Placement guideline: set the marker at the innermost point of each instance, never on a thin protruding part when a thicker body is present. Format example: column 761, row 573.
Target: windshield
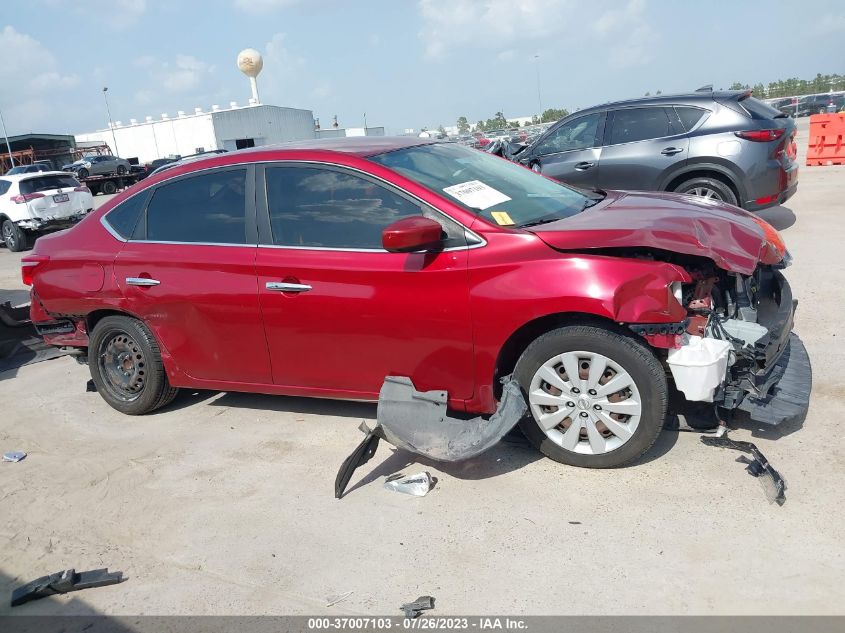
column 499, row 190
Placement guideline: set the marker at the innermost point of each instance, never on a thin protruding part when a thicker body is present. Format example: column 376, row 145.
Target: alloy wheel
column 705, row 192
column 585, row 402
column 9, row 235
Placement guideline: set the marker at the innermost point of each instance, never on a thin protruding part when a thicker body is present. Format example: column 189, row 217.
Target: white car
column 40, row 202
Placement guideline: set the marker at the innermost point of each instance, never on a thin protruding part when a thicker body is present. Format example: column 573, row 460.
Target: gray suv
column 720, row 145
column 98, row 166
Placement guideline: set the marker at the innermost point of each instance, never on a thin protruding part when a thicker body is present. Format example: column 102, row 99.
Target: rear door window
column 46, row 183
column 639, row 124
column 208, row 209
column 124, row 216
column 4, row 186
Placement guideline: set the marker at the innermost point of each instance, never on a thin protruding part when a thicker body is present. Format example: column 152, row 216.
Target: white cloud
column 263, row 6
column 279, row 56
column 449, row 24
column 183, row 74
column 32, row 80
column 506, row 56
column 630, row 35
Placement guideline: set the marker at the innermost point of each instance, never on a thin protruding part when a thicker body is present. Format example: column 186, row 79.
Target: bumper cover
column 789, row 395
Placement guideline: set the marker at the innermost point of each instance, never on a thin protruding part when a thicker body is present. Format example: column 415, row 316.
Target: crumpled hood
column 734, row 239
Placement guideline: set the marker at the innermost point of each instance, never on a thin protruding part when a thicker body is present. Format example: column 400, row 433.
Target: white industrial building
column 235, row 127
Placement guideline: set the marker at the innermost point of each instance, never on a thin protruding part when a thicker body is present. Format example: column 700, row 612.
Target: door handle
column 583, row 165
column 141, row 281
column 671, row 151
column 281, row 286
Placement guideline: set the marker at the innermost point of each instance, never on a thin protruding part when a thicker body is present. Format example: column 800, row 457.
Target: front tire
column 609, row 414
column 707, row 188
column 126, row 366
column 82, row 173
column 121, row 170
column 14, row 236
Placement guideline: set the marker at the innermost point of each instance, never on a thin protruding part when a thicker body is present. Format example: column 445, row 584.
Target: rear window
column 759, row 110
column 46, row 183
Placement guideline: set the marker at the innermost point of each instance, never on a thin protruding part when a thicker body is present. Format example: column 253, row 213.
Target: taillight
column 761, row 136
column 28, row 266
column 26, row 197
column 82, row 188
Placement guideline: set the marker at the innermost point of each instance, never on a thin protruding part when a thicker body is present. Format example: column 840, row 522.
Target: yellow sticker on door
column 502, row 218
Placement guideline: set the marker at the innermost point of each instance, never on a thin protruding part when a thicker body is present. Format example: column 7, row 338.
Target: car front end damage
column 765, row 370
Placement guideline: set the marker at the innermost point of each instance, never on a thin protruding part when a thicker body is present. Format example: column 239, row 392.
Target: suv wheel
column 596, row 398
column 14, row 236
column 126, row 367
column 707, row 188
column 82, row 173
column 535, row 167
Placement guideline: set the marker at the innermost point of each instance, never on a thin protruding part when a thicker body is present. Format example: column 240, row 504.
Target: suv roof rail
column 707, row 88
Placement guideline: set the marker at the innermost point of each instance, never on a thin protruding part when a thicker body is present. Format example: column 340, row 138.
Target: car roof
column 36, row 174
column 690, row 98
column 362, row 146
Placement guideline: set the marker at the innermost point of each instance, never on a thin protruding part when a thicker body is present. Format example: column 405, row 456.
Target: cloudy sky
column 406, row 63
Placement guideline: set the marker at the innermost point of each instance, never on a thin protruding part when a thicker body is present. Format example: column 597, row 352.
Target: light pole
column 539, row 101
column 111, row 126
column 6, row 136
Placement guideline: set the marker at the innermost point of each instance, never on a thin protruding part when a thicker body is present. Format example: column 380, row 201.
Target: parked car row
column 808, row 105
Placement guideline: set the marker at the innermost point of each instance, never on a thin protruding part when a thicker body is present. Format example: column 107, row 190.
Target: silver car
column 98, row 166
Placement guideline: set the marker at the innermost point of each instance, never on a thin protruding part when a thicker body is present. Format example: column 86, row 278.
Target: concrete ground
column 222, row 503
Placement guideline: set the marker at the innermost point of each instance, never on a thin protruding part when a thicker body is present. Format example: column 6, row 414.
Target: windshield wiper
column 544, row 220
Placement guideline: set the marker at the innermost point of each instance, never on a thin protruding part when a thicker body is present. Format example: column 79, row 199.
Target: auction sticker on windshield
column 475, row 193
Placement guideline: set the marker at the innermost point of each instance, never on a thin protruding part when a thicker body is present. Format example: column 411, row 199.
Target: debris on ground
column 417, row 485
column 417, row 421
column 90, row 387
column 413, row 609
column 773, row 484
column 13, row 456
column 64, row 582
column 333, row 600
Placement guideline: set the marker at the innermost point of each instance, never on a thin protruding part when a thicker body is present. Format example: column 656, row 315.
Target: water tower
column 250, row 64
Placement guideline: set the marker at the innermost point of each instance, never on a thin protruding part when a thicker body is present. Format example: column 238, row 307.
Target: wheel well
column 92, row 318
column 705, row 173
column 526, row 334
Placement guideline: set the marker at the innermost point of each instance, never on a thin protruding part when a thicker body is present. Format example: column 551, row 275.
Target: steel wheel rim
column 705, row 192
column 122, row 366
column 535, row 168
column 593, row 414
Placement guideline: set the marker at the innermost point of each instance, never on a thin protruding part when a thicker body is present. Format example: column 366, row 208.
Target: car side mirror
column 416, row 233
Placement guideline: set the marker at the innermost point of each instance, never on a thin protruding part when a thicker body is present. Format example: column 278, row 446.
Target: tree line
column 793, row 87
column 499, row 122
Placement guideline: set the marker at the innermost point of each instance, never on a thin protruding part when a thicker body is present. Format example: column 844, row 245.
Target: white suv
column 40, row 202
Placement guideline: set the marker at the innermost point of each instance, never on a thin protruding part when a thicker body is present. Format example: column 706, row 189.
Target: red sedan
column 318, row 268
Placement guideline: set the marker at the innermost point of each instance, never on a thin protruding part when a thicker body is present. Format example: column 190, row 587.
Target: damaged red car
column 319, row 268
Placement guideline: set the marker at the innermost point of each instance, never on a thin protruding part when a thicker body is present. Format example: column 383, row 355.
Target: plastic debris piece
column 64, row 582
column 333, row 600
column 417, row 485
column 13, row 456
column 413, row 609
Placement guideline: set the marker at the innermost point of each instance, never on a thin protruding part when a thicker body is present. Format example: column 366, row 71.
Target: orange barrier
column 827, row 139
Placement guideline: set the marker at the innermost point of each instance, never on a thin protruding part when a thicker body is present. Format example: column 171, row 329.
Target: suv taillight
column 82, row 188
column 761, row 136
column 28, row 266
column 26, row 197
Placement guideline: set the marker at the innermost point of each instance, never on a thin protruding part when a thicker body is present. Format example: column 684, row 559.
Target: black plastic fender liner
column 64, row 582
column 773, row 483
column 417, row 422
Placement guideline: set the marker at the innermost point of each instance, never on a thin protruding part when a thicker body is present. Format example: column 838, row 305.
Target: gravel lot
column 223, row 503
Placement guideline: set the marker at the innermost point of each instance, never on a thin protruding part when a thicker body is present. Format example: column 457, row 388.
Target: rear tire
column 708, row 188
column 121, row 170
column 109, row 187
column 126, row 366
column 590, row 427
column 15, row 237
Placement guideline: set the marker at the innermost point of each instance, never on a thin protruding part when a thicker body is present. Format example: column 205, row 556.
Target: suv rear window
column 45, row 183
column 759, row 110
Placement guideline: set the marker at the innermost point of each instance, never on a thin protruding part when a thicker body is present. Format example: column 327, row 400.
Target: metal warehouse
column 235, row 127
